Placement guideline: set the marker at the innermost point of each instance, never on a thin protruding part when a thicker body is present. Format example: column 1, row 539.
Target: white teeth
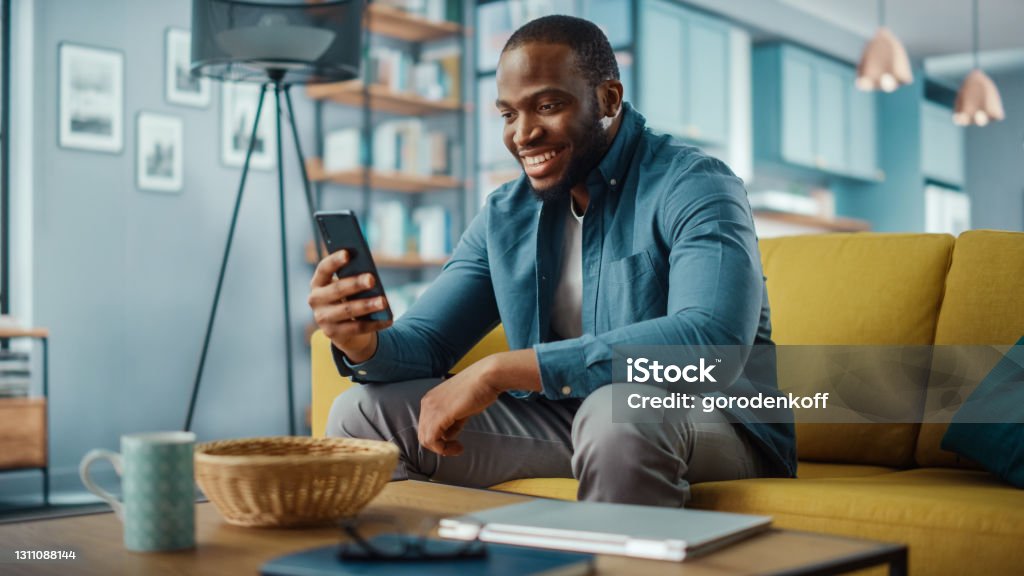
column 540, row 158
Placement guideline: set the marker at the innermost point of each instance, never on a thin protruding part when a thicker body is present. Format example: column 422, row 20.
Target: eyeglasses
column 398, row 541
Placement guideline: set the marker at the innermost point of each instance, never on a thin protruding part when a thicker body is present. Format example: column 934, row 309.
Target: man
column 613, row 236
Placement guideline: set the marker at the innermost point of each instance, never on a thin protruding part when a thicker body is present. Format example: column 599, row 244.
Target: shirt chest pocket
column 633, row 290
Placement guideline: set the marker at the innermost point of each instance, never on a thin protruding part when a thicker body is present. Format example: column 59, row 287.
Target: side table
column 26, row 409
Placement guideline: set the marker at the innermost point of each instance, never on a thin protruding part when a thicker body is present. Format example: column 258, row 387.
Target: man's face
column 553, row 123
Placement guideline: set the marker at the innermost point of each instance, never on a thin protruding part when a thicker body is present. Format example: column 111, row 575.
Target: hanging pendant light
column 978, row 101
column 884, row 64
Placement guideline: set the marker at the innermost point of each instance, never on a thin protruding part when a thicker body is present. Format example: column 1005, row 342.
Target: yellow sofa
column 884, row 481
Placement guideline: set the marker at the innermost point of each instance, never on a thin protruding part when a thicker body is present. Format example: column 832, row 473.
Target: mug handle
column 83, row 471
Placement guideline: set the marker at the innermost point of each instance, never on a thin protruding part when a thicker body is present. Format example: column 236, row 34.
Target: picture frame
column 239, row 101
column 91, row 98
column 159, row 166
column 180, row 86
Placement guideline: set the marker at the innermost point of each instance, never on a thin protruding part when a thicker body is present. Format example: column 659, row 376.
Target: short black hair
column 595, row 59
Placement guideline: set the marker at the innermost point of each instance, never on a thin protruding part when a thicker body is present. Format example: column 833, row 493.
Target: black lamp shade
column 297, row 42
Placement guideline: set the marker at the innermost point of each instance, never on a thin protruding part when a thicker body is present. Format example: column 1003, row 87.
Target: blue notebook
column 501, row 560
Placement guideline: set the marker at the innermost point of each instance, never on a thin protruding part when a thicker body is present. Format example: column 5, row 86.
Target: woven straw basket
column 291, row 481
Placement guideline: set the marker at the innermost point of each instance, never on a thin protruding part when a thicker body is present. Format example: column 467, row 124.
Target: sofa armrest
column 327, row 382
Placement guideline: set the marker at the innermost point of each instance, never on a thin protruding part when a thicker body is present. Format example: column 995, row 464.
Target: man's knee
column 377, row 411
column 350, row 415
column 601, row 426
column 600, row 439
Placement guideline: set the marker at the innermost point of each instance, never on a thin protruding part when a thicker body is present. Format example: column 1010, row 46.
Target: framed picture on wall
column 180, row 86
column 91, row 101
column 238, row 111
column 158, row 156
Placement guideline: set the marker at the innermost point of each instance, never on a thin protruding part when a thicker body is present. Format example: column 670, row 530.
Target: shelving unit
column 392, row 262
column 419, row 40
column 394, row 23
column 381, row 99
column 24, row 438
column 393, row 181
column 825, row 224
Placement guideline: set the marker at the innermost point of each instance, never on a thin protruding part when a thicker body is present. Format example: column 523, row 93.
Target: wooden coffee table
column 226, row 549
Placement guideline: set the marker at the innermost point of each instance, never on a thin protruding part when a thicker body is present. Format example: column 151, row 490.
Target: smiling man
column 614, row 235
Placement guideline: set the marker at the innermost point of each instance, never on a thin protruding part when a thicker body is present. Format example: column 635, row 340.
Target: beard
column 589, row 148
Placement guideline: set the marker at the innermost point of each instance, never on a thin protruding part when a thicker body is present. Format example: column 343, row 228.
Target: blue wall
column 995, row 163
column 124, row 279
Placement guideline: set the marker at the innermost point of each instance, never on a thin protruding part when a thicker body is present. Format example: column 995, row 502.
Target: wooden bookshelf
column 394, row 23
column 408, row 262
column 22, row 433
column 394, row 181
column 828, row 224
column 392, row 262
column 382, row 98
column 24, row 333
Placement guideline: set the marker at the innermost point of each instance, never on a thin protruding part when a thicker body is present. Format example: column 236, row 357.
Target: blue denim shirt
column 669, row 258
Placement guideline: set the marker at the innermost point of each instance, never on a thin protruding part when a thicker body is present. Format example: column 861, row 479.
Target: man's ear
column 609, row 97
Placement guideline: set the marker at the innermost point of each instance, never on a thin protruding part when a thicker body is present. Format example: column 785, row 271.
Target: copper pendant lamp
column 978, row 101
column 884, row 65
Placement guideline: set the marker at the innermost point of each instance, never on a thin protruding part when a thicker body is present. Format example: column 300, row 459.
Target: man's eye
column 550, row 106
column 506, row 116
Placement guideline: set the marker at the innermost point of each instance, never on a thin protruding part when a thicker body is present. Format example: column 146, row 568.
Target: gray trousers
column 644, row 463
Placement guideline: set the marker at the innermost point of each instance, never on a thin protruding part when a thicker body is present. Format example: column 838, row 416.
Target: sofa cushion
column 852, row 289
column 946, row 516
column 558, row 488
column 983, row 305
column 565, row 488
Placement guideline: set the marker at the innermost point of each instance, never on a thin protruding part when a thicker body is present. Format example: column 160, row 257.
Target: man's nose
column 525, row 133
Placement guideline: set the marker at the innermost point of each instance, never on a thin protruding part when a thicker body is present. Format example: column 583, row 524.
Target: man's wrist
column 491, row 373
column 515, row 370
column 363, row 353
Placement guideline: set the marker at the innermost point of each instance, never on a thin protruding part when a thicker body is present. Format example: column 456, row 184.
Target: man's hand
column 335, row 311
column 447, row 407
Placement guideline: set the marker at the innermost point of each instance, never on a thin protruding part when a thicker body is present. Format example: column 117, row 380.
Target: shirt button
column 566, row 390
column 612, row 182
column 362, row 372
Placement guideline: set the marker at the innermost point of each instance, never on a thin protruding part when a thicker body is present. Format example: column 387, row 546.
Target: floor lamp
column 276, row 45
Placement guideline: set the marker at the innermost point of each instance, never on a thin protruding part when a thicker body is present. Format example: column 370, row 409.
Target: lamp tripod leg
column 224, row 260
column 284, row 268
column 305, row 175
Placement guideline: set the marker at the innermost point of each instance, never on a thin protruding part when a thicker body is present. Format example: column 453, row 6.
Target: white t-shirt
column 567, row 313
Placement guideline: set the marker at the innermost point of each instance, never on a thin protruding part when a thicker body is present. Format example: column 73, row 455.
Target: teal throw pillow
column 989, row 427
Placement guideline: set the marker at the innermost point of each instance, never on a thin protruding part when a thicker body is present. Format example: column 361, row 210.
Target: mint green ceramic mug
column 157, row 480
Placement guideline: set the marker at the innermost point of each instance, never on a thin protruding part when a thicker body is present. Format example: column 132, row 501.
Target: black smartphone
column 340, row 231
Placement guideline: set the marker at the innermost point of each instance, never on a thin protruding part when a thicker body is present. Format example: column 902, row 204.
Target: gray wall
column 124, row 279
column 995, row 163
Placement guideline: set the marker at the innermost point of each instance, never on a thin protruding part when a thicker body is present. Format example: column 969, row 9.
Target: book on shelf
column 343, row 150
column 394, row 232
column 15, row 374
column 386, row 231
column 390, row 67
column 434, row 77
column 444, row 79
column 433, row 228
column 407, row 146
column 433, row 10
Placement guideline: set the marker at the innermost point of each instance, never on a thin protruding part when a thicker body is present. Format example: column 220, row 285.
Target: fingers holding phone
column 337, row 309
column 346, row 296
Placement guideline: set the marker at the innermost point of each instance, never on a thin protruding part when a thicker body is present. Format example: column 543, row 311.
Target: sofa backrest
column 857, row 289
column 983, row 305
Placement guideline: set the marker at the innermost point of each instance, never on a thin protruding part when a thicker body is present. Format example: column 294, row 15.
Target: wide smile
column 542, row 164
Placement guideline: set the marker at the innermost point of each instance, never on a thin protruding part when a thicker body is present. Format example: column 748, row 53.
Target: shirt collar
column 615, row 163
